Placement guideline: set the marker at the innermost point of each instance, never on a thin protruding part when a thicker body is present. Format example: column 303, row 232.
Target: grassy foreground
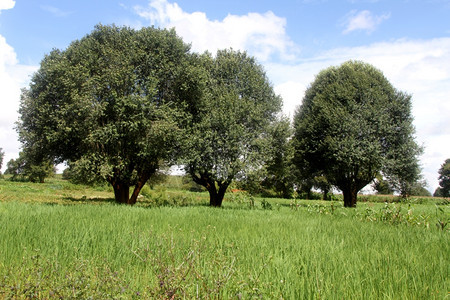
column 53, row 246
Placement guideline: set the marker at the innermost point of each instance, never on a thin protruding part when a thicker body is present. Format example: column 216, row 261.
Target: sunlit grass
column 51, row 246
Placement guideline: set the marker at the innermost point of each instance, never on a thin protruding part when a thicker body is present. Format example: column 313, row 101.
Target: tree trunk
column 121, row 192
column 137, row 188
column 214, row 199
column 350, row 194
column 216, row 196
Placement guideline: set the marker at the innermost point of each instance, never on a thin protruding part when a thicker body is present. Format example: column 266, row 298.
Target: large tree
column 110, row 103
column 237, row 105
column 352, row 125
column 444, row 179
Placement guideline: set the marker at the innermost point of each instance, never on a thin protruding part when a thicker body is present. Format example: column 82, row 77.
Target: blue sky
column 408, row 40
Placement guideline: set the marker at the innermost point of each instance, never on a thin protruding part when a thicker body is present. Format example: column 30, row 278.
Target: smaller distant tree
column 306, row 183
column 419, row 189
column 275, row 172
column 444, row 179
column 382, row 186
column 25, row 169
column 2, row 155
column 437, row 192
column 321, row 183
column 279, row 169
column 15, row 167
column 304, row 187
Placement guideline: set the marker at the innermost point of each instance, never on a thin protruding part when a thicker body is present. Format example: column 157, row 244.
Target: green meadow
column 60, row 240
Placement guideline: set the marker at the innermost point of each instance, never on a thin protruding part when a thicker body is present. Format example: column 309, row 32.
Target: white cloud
column 362, row 21
column 7, row 4
column 264, row 35
column 415, row 66
column 13, row 76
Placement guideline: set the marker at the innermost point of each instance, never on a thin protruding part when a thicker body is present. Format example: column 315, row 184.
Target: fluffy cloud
column 13, row 76
column 264, row 35
column 7, row 4
column 362, row 21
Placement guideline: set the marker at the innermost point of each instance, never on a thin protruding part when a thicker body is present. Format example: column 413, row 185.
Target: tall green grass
column 112, row 251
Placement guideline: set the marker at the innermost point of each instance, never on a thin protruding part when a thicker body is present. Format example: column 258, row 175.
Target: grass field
column 59, row 240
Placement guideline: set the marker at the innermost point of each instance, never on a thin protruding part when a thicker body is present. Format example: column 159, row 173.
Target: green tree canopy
column 382, row 186
column 237, row 105
column 25, row 169
column 352, row 125
column 444, row 179
column 273, row 175
column 110, row 102
column 2, row 155
column 278, row 159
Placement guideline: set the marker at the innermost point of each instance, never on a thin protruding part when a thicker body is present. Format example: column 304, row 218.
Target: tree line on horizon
column 119, row 104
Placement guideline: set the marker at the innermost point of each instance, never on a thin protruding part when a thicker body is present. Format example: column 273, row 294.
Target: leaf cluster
column 24, row 168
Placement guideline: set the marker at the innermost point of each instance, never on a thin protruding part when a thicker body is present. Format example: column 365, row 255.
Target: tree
column 274, row 172
column 437, row 192
column 112, row 102
column 278, row 159
column 237, row 105
column 2, row 155
column 444, row 179
column 419, row 189
column 352, row 125
column 321, row 183
column 381, row 186
column 24, row 168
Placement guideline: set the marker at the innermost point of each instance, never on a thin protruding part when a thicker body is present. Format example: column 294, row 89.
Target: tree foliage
column 111, row 103
column 237, row 105
column 444, row 179
column 24, row 168
column 419, row 189
column 274, row 174
column 382, row 186
column 352, row 125
column 2, row 155
column 278, row 159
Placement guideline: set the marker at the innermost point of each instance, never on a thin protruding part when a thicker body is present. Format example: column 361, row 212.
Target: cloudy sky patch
column 362, row 21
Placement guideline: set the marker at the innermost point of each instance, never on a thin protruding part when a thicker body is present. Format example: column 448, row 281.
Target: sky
column 408, row 40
